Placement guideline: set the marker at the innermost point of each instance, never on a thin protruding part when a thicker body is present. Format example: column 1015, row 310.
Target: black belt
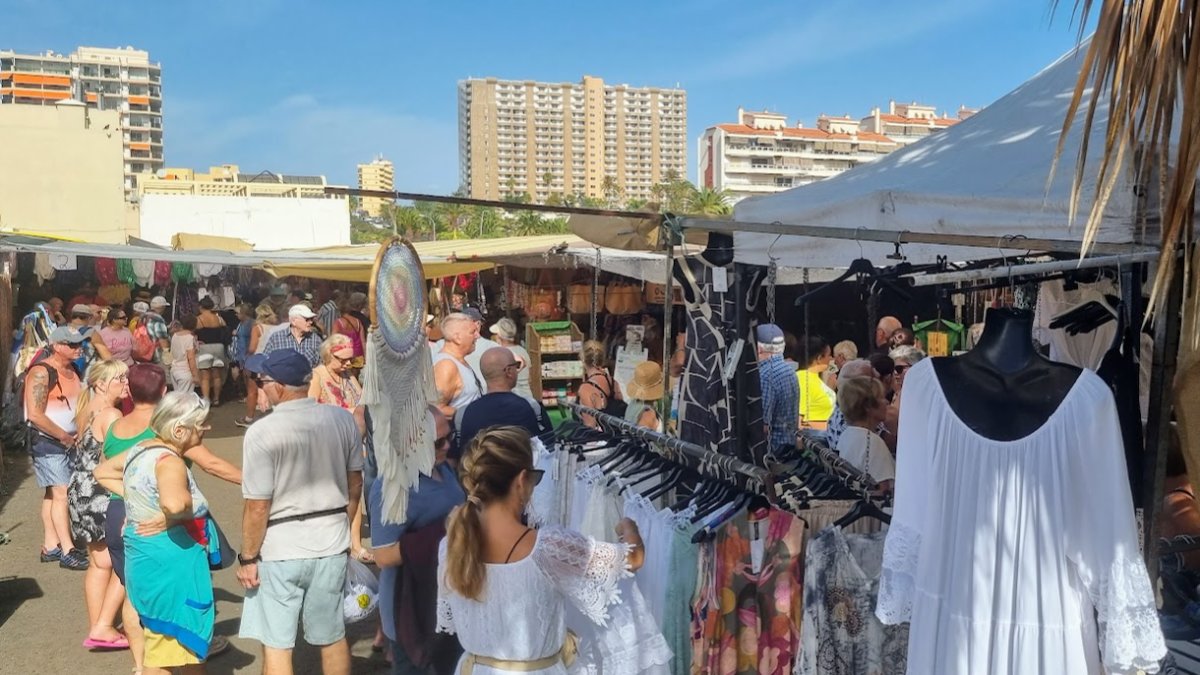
column 306, row 516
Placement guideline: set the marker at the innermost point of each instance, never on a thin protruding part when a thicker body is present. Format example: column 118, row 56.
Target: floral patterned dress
column 87, row 501
column 841, row 634
column 747, row 617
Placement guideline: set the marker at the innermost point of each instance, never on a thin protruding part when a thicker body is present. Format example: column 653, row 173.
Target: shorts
column 51, row 469
column 114, row 536
column 164, row 651
column 181, row 379
column 292, row 591
column 211, row 356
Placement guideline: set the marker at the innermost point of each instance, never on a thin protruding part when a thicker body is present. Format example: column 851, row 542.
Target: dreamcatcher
column 398, row 377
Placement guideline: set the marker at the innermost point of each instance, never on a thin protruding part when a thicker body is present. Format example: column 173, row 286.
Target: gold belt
column 566, row 656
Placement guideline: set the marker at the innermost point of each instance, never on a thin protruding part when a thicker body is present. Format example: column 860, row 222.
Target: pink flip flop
column 121, row 642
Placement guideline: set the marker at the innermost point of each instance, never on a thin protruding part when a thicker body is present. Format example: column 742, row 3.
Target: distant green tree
column 709, row 202
column 362, row 232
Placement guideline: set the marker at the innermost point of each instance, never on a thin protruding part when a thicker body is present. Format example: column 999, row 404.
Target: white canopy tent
column 984, row 176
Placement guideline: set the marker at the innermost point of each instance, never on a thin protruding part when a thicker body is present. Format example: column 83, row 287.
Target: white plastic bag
column 361, row 593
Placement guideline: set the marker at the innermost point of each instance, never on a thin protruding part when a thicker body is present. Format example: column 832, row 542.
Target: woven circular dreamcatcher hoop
column 397, row 296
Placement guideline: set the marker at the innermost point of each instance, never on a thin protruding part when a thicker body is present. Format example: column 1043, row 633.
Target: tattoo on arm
column 40, row 389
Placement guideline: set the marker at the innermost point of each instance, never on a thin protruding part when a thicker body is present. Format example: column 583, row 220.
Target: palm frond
column 1144, row 61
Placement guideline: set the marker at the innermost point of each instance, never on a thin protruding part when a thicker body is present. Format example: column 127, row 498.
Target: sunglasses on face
column 72, row 345
column 344, row 360
column 444, row 441
column 515, row 364
column 900, row 369
column 535, row 475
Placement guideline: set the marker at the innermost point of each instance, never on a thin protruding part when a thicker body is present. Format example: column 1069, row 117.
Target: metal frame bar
column 1029, row 268
column 834, row 461
column 1016, row 243
column 418, row 197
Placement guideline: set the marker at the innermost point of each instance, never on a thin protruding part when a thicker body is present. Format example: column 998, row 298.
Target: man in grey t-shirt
column 302, row 481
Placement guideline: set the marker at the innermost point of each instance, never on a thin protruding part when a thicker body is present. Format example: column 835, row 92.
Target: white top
column 472, row 386
column 298, row 457
column 999, row 551
column 867, row 451
column 521, row 614
column 522, row 388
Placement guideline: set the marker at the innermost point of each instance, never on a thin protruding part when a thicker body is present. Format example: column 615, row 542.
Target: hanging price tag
column 757, row 547
column 720, row 280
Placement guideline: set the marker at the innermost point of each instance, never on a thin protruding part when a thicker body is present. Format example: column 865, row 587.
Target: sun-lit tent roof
column 986, row 175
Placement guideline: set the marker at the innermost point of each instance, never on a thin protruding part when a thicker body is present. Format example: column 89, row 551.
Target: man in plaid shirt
column 780, row 389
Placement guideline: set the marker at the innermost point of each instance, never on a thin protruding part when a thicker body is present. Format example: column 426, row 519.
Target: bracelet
column 249, row 561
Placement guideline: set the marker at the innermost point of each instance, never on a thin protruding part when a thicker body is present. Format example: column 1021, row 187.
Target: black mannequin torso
column 1003, row 389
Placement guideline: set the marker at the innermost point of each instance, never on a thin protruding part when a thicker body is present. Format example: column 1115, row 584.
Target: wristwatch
column 248, row 561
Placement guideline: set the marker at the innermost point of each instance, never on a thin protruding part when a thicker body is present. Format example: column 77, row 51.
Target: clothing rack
column 708, row 457
column 835, row 463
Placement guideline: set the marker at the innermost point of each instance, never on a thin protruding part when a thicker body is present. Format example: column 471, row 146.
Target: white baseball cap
column 300, row 310
column 159, row 301
column 141, row 307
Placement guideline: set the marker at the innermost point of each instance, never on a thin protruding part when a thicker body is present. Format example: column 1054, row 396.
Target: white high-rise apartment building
column 566, row 138
column 123, row 79
column 761, row 154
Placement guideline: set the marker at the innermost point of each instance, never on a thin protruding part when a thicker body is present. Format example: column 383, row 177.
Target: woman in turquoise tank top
column 147, row 386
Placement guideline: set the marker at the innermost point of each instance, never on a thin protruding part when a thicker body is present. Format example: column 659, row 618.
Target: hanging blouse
column 182, row 273
column 106, row 271
column 42, row 267
column 205, row 270
column 125, row 273
column 143, row 272
column 1001, row 552
column 162, row 273
column 841, row 634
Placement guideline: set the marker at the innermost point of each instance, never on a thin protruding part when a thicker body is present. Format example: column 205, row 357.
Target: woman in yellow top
column 816, row 398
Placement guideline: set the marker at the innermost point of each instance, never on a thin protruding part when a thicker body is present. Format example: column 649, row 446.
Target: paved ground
column 42, row 617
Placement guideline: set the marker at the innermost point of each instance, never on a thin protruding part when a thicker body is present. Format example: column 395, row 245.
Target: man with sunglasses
column 51, row 390
column 300, row 336
column 414, row 543
column 500, row 406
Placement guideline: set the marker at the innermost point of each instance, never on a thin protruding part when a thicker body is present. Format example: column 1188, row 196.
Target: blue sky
column 318, row 86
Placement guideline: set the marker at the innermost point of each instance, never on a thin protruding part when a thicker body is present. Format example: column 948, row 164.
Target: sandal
column 218, row 645
column 118, row 643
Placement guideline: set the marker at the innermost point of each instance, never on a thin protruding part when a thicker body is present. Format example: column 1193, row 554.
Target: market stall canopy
column 985, row 176
column 186, row 241
column 442, row 258
column 626, row 234
column 652, row 267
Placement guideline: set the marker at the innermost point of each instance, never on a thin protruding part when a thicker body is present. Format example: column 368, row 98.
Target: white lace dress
column 999, row 552
column 521, row 614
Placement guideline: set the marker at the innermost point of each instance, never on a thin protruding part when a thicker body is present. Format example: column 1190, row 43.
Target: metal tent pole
column 1030, row 268
column 907, row 237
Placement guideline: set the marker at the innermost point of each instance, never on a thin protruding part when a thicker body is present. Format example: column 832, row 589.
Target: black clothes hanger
column 1088, row 316
column 864, row 269
column 863, row 508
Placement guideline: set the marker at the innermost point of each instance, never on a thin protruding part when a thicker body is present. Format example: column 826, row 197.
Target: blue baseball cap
column 769, row 334
column 286, row 366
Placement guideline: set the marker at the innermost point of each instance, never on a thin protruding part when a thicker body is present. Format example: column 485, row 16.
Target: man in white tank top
column 456, row 382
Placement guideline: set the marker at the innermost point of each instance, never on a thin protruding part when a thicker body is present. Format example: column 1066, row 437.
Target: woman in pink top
column 117, row 336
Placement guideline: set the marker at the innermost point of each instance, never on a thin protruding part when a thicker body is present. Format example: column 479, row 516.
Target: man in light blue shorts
column 302, row 481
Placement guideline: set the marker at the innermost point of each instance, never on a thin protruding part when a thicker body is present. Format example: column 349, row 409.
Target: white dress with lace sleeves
column 1016, row 556
column 519, row 617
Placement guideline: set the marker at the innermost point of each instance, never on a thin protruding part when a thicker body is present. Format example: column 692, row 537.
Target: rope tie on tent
column 595, row 292
column 772, row 278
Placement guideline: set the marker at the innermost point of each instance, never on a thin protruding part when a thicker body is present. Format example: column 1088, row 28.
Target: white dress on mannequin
column 999, row 551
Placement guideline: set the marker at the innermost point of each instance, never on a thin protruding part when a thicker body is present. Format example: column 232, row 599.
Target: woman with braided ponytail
column 503, row 587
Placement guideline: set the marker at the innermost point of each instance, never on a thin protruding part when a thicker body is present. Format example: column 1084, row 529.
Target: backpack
column 143, row 344
column 16, row 429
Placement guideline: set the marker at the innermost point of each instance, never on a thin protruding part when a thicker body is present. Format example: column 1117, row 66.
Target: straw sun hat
column 647, row 382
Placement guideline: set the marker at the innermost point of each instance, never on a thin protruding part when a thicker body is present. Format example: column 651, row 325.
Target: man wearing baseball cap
column 780, row 389
column 151, row 317
column 81, row 319
column 300, row 335
column 301, row 481
column 52, row 387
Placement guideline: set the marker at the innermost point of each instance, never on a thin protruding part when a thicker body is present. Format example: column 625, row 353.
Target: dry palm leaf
column 1145, row 59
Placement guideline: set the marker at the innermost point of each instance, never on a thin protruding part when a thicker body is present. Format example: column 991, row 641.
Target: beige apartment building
column 123, row 80
column 565, row 139
column 377, row 175
column 228, row 180
column 62, row 172
column 761, row 154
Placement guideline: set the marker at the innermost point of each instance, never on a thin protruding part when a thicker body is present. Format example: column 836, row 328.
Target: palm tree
column 1149, row 52
column 612, row 191
column 709, row 202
